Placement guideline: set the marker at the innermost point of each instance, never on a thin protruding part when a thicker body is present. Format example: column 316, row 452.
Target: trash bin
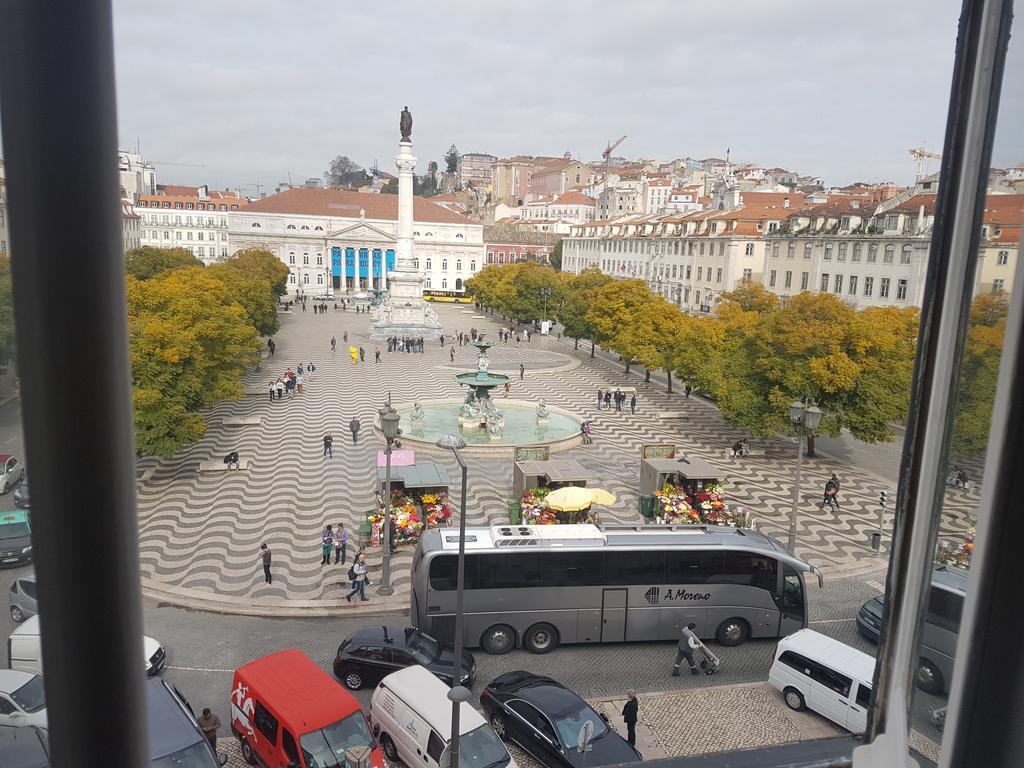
column 515, row 512
column 365, row 530
column 876, row 541
column 647, row 506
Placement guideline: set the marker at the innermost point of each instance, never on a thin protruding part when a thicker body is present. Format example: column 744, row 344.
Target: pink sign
column 401, row 458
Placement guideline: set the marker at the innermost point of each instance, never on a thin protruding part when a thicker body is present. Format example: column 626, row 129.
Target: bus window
column 573, row 569
column 750, row 569
column 944, row 609
column 792, row 593
column 444, row 572
column 634, row 568
column 508, row 570
column 692, row 567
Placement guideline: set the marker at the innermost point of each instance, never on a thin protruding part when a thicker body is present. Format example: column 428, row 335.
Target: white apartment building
column 137, row 176
column 571, row 207
column 656, row 195
column 332, row 238
column 188, row 217
column 475, row 168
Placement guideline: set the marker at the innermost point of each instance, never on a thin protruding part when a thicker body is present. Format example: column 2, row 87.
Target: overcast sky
column 258, row 90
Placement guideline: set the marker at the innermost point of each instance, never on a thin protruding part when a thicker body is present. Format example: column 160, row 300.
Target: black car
column 375, row 652
column 175, row 738
column 869, row 618
column 21, row 498
column 24, row 747
column 552, row 723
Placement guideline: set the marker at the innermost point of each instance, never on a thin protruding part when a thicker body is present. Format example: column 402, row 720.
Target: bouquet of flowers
column 436, row 509
column 535, row 510
column 673, row 505
column 956, row 553
column 405, row 517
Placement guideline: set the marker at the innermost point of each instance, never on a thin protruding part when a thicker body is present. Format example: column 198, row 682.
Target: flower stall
column 419, row 498
column 535, row 511
column 956, row 553
column 437, row 509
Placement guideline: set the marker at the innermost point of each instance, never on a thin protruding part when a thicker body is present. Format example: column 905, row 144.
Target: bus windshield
column 326, row 748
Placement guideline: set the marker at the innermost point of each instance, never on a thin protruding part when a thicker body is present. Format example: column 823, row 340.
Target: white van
column 816, row 672
column 412, row 717
column 25, row 651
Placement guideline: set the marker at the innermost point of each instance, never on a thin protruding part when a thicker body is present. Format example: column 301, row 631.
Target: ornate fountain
column 479, row 411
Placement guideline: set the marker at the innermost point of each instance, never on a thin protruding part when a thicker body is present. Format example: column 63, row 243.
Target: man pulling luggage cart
column 689, row 644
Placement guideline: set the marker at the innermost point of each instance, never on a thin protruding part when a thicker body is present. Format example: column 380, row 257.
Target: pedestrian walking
column 608, row 399
column 209, row 723
column 737, row 449
column 265, row 557
column 442, row 339
column 334, row 344
column 831, row 497
column 522, row 370
column 340, row 543
column 632, row 404
column 629, row 716
column 280, row 388
column 688, row 643
column 451, row 354
column 600, row 399
column 619, row 397
column 326, row 543
column 344, row 336
column 508, row 388
column 299, row 381
column 585, row 431
column 273, row 388
column 271, row 346
column 376, row 354
column 354, row 426
column 357, row 575
column 687, row 390
column 329, row 445
column 362, row 355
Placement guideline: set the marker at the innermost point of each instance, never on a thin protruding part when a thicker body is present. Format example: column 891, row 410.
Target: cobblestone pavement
column 200, row 532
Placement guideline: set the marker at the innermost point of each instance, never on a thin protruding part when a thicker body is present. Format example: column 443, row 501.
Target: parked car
column 815, row 672
column 284, row 704
column 21, row 499
column 552, row 723
column 15, row 538
column 175, row 738
column 412, row 717
column 23, row 598
column 324, row 297
column 24, row 747
column 22, row 699
column 24, row 650
column 373, row 652
column 11, row 472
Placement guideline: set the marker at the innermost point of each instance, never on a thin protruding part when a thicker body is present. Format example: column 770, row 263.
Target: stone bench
column 671, row 415
column 241, row 421
column 220, row 466
column 751, row 453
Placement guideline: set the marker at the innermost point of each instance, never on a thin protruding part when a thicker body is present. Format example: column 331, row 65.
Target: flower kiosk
column 678, row 488
column 419, row 498
column 534, row 475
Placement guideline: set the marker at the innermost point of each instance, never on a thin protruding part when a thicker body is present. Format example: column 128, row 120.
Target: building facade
column 510, row 180
column 554, row 177
column 188, row 217
column 507, row 244
column 475, row 168
column 331, row 238
column 137, row 176
column 131, row 235
column 571, row 207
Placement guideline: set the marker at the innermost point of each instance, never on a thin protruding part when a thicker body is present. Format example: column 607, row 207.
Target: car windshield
column 875, row 607
column 196, row 756
column 570, row 726
column 15, row 531
column 327, row 747
column 423, row 647
column 31, row 697
column 481, row 748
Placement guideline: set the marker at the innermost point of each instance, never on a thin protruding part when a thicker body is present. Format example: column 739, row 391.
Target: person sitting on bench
column 232, row 458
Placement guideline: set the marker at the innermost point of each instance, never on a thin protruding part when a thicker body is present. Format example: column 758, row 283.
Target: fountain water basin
column 520, row 425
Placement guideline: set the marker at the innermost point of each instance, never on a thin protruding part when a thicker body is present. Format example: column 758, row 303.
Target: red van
column 289, row 713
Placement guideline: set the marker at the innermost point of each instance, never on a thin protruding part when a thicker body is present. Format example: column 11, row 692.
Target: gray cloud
column 257, row 90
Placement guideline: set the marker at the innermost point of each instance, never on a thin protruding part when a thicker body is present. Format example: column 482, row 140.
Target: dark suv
column 175, row 738
column 372, row 653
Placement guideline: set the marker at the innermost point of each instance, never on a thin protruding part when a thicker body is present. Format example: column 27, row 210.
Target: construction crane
column 256, row 186
column 185, row 165
column 607, row 155
column 922, row 154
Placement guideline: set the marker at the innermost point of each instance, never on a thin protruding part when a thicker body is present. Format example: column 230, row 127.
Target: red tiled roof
column 1006, row 213
column 345, row 204
column 913, row 205
column 575, row 198
column 144, row 200
column 186, row 191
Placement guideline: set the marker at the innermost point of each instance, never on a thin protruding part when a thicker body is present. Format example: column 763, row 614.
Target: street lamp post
column 389, row 426
column 545, row 292
column 459, row 693
column 805, row 420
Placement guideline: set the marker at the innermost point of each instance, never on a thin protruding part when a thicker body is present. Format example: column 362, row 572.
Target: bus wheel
column 541, row 638
column 732, row 632
column 929, row 679
column 499, row 639
column 247, row 753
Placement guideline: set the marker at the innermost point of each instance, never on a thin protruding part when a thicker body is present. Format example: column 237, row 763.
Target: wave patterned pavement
column 200, row 532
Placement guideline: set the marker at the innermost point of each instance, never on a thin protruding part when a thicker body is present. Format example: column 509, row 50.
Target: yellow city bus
column 457, row 297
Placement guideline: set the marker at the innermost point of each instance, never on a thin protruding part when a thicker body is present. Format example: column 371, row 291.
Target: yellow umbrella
column 572, row 498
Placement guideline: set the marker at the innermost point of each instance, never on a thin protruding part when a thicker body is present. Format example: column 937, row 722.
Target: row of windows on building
column 188, row 206
column 429, row 262
column 499, row 257
column 165, row 218
column 855, row 254
column 154, row 234
column 294, row 279
column 836, row 284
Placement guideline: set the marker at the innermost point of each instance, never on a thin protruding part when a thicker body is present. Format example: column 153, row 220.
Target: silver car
column 23, row 597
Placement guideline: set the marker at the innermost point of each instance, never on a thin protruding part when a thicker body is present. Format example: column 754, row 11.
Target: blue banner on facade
column 390, row 256
column 350, row 262
column 364, row 263
column 336, row 262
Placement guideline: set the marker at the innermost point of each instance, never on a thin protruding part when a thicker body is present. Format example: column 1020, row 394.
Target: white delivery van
column 25, row 651
column 412, row 716
column 818, row 673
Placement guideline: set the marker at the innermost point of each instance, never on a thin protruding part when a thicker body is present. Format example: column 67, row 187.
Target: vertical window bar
column 977, row 72
column 59, row 121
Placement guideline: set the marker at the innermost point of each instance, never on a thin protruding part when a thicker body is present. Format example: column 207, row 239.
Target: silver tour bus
column 538, row 586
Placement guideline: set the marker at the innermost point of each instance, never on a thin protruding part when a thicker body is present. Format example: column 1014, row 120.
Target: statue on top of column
column 405, row 125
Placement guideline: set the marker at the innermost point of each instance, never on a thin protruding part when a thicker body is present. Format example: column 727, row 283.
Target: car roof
column 11, row 680
column 545, row 693
column 25, row 746
column 396, row 635
column 297, row 690
column 428, row 696
column 837, row 655
column 170, row 727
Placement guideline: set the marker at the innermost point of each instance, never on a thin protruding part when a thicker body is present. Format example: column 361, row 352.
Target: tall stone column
column 406, row 163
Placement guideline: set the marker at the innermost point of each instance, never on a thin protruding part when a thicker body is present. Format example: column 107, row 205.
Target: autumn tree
column 979, row 373
column 260, row 263
column 579, row 296
column 751, row 297
column 451, row 159
column 149, row 261
column 615, row 307
column 555, row 257
column 694, row 352
column 254, row 294
column 483, row 285
column 647, row 337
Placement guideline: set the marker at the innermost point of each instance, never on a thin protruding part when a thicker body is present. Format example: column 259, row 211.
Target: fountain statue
column 479, row 410
column 542, row 411
column 417, row 412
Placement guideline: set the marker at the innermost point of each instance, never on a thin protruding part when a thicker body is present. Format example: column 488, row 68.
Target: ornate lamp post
column 459, row 693
column 389, row 426
column 805, row 420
